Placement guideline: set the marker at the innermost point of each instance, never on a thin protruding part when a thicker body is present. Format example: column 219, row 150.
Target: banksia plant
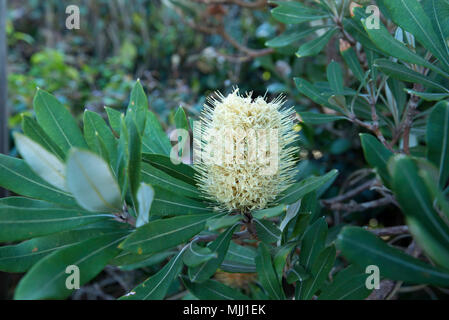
column 246, row 157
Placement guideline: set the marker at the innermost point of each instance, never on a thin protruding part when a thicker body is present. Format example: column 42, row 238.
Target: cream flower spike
column 246, row 158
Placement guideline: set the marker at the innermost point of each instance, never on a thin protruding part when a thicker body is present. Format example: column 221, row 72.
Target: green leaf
column 353, row 63
column 269, row 212
column 297, row 274
column 401, row 72
column 166, row 203
column 134, row 159
column 114, row 117
column 281, row 256
column 16, row 176
column 145, row 196
column 363, row 249
column 428, row 96
column 310, row 91
column 313, row 243
column 196, row 255
column 213, row 290
column 292, row 35
column 179, row 171
column 377, row 156
column 223, row 222
column 44, row 163
column 267, row 275
column 155, row 140
column 295, row 12
column 159, row 178
column 22, row 256
column 90, row 180
column 438, row 11
column 410, row 15
column 137, row 107
column 320, row 271
column 428, row 228
column 47, row 279
column 437, row 137
column 300, row 189
column 156, row 287
column 335, row 77
column 24, row 222
column 220, row 245
column 315, row 46
column 239, row 259
column 391, row 47
column 318, row 118
column 97, row 132
column 163, row 234
column 348, row 284
column 267, row 231
column 34, row 131
column 183, row 126
column 57, row 121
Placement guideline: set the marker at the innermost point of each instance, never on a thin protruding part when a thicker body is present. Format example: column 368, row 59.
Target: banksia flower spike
column 243, row 154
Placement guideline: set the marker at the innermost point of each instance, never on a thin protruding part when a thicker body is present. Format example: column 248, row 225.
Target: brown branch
column 389, row 231
column 353, row 206
column 410, row 115
column 350, row 194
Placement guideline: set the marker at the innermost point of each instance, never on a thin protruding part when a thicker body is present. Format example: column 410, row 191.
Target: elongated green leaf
column 291, row 35
column 295, row 12
column 137, row 107
column 34, row 131
column 310, row 91
column 348, row 284
column 96, row 131
column 297, row 274
column 363, row 249
column 163, row 234
column 267, row 275
column 239, row 259
column 267, row 231
column 166, row 203
column 269, row 212
column 134, row 158
column 315, row 46
column 300, row 189
column 114, row 118
column 16, row 176
column 377, row 156
column 196, row 255
column 353, row 63
column 179, row 171
column 223, row 222
column 410, row 15
column 401, row 72
column 90, row 180
column 318, row 118
column 335, row 77
column 47, row 279
column 156, row 287
column 220, row 245
column 57, row 121
column 438, row 11
column 437, row 137
column 313, row 243
column 213, row 290
column 44, row 164
column 428, row 96
column 428, row 228
column 155, row 140
column 19, row 223
column 182, row 131
column 21, row 257
column 382, row 38
column 145, row 196
column 320, row 271
column 159, row 178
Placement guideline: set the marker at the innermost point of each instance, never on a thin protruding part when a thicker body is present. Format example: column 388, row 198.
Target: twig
column 389, row 231
column 350, row 193
column 353, row 206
